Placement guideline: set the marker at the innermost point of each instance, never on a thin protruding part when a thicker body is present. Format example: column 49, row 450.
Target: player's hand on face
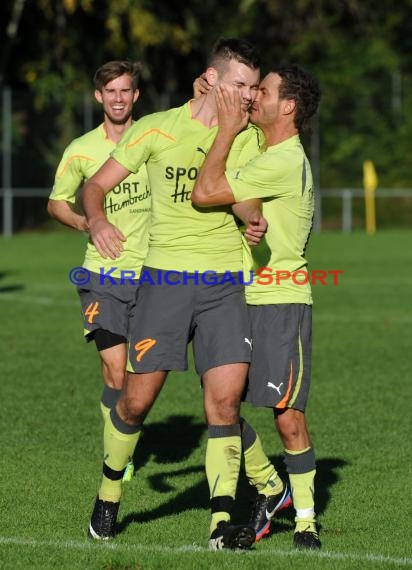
column 231, row 115
column 255, row 230
column 201, row 86
column 107, row 239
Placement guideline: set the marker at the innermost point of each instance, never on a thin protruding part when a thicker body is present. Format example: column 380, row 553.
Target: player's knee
column 114, row 377
column 291, row 425
column 136, row 409
column 288, row 431
column 225, row 410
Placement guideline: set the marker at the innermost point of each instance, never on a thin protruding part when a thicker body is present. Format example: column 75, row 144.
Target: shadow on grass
column 175, row 440
column 195, row 497
column 327, row 475
column 9, row 288
column 168, row 442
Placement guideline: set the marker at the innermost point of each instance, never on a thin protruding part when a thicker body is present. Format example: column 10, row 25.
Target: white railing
column 8, row 195
column 7, row 192
column 347, row 195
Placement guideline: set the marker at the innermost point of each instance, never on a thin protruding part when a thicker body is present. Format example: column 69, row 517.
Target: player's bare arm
column 250, row 212
column 107, row 239
column 62, row 211
column 212, row 188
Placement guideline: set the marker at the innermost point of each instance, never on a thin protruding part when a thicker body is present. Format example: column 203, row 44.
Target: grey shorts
column 279, row 374
column 167, row 317
column 106, row 306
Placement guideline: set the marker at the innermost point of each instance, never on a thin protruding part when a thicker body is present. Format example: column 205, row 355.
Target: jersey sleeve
column 135, row 146
column 69, row 175
column 265, row 176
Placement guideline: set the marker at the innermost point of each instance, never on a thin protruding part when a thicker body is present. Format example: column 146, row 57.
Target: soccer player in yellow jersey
column 190, row 289
column 279, row 299
column 106, row 301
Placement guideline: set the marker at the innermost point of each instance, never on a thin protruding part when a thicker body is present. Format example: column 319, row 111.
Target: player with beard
column 280, row 307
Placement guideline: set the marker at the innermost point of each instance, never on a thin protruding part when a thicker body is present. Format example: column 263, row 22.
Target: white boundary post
column 6, row 164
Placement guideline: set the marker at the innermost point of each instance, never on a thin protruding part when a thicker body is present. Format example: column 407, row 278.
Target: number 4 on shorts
column 91, row 311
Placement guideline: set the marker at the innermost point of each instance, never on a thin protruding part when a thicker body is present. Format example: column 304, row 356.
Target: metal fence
column 345, row 195
column 9, row 194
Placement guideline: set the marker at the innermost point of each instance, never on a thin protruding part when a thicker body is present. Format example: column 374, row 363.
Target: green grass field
column 359, row 415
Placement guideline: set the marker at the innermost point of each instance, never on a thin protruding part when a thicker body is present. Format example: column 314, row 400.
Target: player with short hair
column 183, row 238
column 280, row 308
column 106, row 304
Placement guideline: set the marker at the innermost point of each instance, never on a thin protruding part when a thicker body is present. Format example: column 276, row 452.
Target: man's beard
column 120, row 121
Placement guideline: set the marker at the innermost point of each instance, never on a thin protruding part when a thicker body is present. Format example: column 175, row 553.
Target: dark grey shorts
column 279, row 374
column 167, row 317
column 106, row 306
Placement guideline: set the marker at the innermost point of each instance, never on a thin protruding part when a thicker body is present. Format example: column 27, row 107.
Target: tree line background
column 360, row 50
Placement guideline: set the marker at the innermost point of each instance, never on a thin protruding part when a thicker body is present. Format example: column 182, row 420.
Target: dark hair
column 300, row 85
column 227, row 49
column 113, row 69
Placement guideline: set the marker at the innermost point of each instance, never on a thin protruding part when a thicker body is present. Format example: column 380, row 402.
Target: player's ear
column 289, row 106
column 211, row 75
column 98, row 96
column 136, row 94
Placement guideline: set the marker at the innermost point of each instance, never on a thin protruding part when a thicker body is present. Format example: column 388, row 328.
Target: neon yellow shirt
column 184, row 237
column 127, row 206
column 282, row 178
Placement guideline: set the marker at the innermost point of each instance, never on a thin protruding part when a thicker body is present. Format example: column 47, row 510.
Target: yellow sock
column 118, row 451
column 216, row 518
column 302, row 487
column 108, row 400
column 105, row 411
column 223, row 455
column 260, row 471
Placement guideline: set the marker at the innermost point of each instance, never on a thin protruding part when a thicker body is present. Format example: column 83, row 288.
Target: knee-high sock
column 223, row 455
column 301, row 468
column 108, row 400
column 120, row 440
column 259, row 470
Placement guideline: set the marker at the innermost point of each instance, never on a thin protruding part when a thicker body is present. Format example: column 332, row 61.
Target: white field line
column 77, row 545
column 36, row 300
column 53, row 286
